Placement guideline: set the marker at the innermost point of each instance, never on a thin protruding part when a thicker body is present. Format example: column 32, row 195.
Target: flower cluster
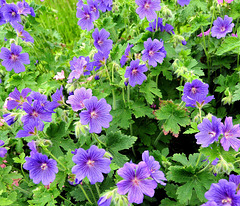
column 195, row 94
column 90, row 163
column 36, row 106
column 224, row 192
column 96, row 113
column 140, row 179
column 41, row 169
column 90, row 12
column 210, row 132
column 157, row 24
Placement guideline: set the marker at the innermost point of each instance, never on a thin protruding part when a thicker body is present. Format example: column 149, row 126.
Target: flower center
column 35, row 114
column 135, row 181
column 147, row 6
column 100, row 42
column 134, row 71
column 94, row 9
column 228, row 135
column 44, row 166
column 227, row 201
column 212, row 134
column 223, row 28
column 13, row 13
column 151, row 53
column 87, row 16
column 14, row 57
column 93, row 115
column 194, row 90
column 90, row 163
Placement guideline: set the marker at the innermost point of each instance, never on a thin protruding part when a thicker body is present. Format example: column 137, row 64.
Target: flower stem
column 200, row 114
column 84, row 192
column 46, row 150
column 97, row 188
column 66, row 199
column 199, row 157
column 98, row 140
column 92, row 194
column 158, row 137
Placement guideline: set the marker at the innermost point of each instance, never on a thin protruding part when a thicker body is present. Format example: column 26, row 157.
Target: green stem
column 21, row 189
column 97, row 188
column 200, row 114
column 123, row 95
column 128, row 93
column 84, row 192
column 47, row 151
column 98, row 140
column 238, row 60
column 66, row 199
column 204, row 168
column 158, row 137
column 23, row 173
column 92, row 194
column 113, row 91
column 199, row 157
column 157, row 81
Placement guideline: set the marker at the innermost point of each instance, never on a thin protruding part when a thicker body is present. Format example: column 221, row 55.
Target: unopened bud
column 81, row 130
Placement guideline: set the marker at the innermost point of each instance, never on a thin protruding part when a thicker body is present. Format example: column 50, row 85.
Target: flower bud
column 166, row 12
column 81, row 130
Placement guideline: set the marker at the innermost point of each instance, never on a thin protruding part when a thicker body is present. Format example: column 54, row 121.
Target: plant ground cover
column 115, row 102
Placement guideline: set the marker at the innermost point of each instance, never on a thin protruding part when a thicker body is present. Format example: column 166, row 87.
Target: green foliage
column 116, row 142
column 174, row 117
column 189, row 174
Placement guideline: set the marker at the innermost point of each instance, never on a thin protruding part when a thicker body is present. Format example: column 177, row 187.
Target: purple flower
column 169, row 28
column 184, row 42
column 12, row 59
column 236, row 180
column 211, row 203
column 223, row 193
column 76, row 100
column 147, row 8
column 100, row 40
column 154, row 52
column 93, row 8
column 97, row 114
column 87, row 18
column 24, row 35
column 41, row 169
column 222, row 26
column 209, row 131
column 183, row 2
column 199, row 101
column 126, row 55
column 156, row 25
column 42, row 99
column 2, row 19
column 230, row 134
column 80, row 4
column 100, row 59
column 97, row 77
column 58, row 96
column 23, row 8
column 91, row 164
column 77, row 67
column 104, row 5
column 2, row 3
column 3, row 150
column 104, row 201
column 17, row 98
column 195, row 89
column 32, row 146
column 10, row 13
column 135, row 73
column 135, row 182
column 30, row 129
column 206, row 33
column 35, row 113
column 9, row 118
column 234, row 35
column 153, row 167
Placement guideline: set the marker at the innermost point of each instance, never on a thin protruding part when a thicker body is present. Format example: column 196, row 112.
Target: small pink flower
column 60, row 75
column 2, row 165
column 206, row 33
column 227, row 1
column 16, row 181
column 90, row 78
column 1, row 121
column 234, row 35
